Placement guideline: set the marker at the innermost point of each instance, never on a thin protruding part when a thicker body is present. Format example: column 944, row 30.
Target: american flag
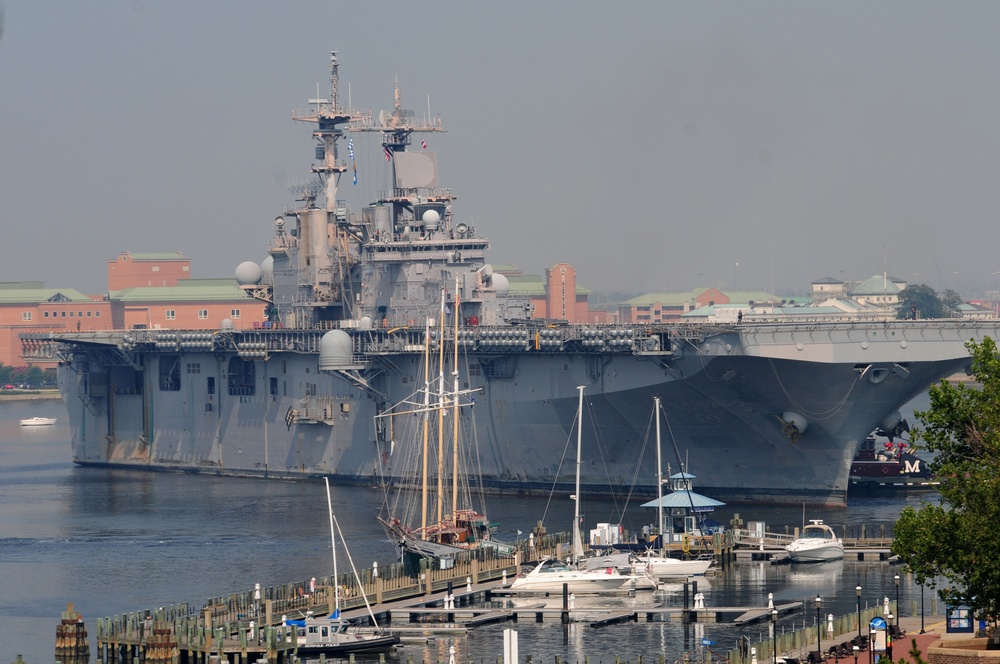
column 423, row 144
column 388, row 153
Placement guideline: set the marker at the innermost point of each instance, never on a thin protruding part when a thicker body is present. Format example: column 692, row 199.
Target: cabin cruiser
column 550, row 575
column 817, row 543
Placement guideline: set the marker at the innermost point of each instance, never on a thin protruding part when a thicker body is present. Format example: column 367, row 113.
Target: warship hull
column 764, row 414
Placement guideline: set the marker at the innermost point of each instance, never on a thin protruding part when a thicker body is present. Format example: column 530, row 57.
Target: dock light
column 897, row 600
column 774, row 635
column 819, row 644
column 858, row 591
column 856, row 651
column 871, row 645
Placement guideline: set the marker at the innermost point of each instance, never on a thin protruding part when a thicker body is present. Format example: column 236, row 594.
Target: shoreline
column 7, row 396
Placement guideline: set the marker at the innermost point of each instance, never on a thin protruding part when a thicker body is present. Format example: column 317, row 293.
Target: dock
column 247, row 627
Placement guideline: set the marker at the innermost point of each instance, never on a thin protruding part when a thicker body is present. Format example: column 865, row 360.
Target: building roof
column 828, row 280
column 688, row 297
column 41, row 295
column 154, row 256
column 188, row 290
column 877, row 285
column 685, row 499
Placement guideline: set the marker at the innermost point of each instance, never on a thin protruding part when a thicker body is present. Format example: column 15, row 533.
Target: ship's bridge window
column 241, row 377
column 170, row 373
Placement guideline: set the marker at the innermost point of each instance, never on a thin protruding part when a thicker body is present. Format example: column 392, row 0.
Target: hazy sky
column 652, row 145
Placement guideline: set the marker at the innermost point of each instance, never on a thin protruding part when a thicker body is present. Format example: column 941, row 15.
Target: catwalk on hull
column 762, row 413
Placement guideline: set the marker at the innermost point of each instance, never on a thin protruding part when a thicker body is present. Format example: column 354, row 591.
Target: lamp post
column 871, row 645
column 774, row 635
column 921, row 608
column 856, row 650
column 858, row 591
column 897, row 600
column 819, row 644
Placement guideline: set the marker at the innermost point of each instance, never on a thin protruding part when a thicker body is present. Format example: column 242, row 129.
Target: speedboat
column 38, row 421
column 550, row 575
column 336, row 637
column 817, row 543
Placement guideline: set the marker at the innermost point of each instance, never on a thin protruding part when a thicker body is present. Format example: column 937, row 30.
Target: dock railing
column 789, row 643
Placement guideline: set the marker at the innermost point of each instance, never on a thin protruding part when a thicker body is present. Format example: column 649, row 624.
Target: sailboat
column 663, row 566
column 551, row 575
column 444, row 533
column 333, row 636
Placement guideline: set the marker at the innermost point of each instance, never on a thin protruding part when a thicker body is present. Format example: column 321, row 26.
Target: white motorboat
column 550, row 575
column 662, row 567
column 817, row 544
column 38, row 421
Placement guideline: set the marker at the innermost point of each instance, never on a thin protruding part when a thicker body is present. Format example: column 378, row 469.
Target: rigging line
column 816, row 416
column 638, row 465
column 591, row 411
column 677, row 453
column 555, row 477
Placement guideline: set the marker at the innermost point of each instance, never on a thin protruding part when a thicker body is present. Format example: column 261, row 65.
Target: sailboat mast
column 333, row 549
column 454, row 419
column 427, row 415
column 659, row 478
column 440, row 411
column 577, row 545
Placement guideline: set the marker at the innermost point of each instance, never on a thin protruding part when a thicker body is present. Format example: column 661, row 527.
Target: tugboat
column 890, row 465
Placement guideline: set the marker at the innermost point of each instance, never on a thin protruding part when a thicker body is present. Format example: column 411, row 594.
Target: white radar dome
column 500, row 284
column 335, row 350
column 431, row 216
column 267, row 269
column 248, row 273
column 226, row 324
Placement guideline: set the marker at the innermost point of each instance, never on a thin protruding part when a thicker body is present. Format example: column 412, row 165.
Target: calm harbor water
column 116, row 541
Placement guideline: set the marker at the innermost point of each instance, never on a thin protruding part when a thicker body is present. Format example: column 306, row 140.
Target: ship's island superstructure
column 768, row 413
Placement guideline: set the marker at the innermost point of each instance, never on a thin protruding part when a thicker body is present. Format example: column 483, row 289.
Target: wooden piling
column 72, row 646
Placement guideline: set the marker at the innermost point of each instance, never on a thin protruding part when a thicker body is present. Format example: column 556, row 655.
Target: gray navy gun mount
column 761, row 413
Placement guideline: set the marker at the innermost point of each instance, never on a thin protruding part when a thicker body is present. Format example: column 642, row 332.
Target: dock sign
column 707, row 642
column 878, row 627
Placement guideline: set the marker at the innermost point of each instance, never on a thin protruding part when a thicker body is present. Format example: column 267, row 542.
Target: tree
column 951, row 301
column 959, row 539
column 920, row 301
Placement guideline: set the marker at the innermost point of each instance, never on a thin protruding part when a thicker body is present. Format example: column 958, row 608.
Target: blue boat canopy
column 685, row 500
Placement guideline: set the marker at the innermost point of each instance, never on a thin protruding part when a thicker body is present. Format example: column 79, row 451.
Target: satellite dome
column 500, row 284
column 248, row 273
column 335, row 350
column 365, row 323
column 226, row 324
column 267, row 269
column 431, row 216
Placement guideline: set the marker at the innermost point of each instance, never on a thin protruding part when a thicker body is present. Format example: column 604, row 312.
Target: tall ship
column 760, row 412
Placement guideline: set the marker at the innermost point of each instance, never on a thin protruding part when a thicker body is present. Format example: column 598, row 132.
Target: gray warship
column 759, row 412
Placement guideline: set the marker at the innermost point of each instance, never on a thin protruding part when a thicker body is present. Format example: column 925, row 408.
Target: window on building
column 97, row 314
column 62, row 314
column 202, row 314
column 171, row 314
column 25, row 315
column 194, row 367
column 234, row 313
column 71, row 314
column 46, row 314
column 210, row 385
column 273, row 387
column 89, row 314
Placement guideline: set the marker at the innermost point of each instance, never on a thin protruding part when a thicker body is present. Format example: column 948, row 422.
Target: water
column 115, row 541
